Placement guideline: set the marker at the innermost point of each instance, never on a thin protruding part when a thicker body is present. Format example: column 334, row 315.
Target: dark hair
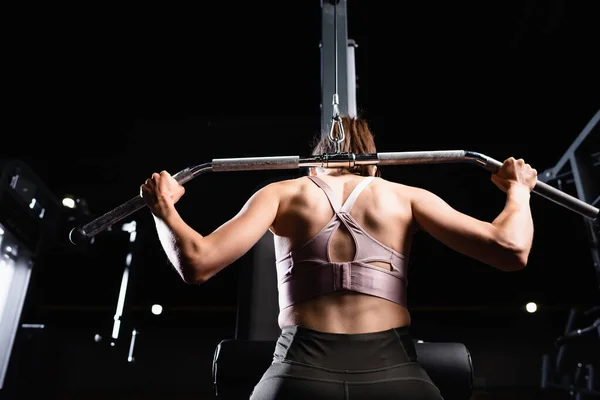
column 358, row 139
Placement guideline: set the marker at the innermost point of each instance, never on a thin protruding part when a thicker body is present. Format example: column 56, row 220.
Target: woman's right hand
column 515, row 173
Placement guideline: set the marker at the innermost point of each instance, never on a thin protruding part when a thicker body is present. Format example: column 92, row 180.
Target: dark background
column 100, row 97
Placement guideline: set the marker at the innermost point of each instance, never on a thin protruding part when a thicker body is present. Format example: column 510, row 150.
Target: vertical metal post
column 337, row 61
column 351, row 59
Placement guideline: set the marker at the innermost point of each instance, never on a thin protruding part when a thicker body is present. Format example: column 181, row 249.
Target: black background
column 99, row 97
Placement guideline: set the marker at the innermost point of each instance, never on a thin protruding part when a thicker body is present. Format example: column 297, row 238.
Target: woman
column 342, row 242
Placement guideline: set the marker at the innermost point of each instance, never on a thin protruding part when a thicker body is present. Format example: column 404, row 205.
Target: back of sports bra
column 308, row 271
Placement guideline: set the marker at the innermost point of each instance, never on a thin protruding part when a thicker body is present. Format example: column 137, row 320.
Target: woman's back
column 381, row 210
column 342, row 240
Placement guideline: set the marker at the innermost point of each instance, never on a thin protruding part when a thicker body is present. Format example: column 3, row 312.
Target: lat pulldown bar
column 336, row 160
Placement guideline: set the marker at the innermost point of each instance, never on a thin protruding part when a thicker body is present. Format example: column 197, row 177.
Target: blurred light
column 68, row 202
column 531, row 307
column 156, row 309
column 10, row 252
column 420, row 341
column 131, row 228
column 76, row 203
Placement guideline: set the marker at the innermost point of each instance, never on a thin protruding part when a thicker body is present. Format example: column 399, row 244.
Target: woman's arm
column 504, row 243
column 196, row 257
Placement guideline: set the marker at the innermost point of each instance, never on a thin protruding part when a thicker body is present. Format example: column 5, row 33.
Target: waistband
column 339, row 351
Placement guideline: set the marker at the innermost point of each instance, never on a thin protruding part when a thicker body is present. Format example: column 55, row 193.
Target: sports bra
column 308, row 272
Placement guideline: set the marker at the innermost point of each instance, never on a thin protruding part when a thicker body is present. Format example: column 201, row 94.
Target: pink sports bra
column 308, row 271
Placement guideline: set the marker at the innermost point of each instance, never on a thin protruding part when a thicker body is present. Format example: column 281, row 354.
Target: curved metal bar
column 92, row 228
column 543, row 189
column 338, row 160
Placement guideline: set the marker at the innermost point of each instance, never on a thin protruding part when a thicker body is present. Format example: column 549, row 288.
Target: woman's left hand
column 160, row 193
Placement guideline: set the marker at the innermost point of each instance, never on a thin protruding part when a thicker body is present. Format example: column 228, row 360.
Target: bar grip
column 421, row 157
column 113, row 216
column 551, row 193
column 81, row 234
column 255, row 163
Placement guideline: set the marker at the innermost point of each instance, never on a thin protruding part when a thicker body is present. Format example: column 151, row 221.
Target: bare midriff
column 349, row 313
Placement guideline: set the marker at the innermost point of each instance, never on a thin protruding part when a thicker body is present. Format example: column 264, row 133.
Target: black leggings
column 312, row 365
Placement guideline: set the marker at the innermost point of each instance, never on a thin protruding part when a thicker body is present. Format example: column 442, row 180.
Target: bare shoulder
column 398, row 190
column 286, row 187
column 289, row 183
